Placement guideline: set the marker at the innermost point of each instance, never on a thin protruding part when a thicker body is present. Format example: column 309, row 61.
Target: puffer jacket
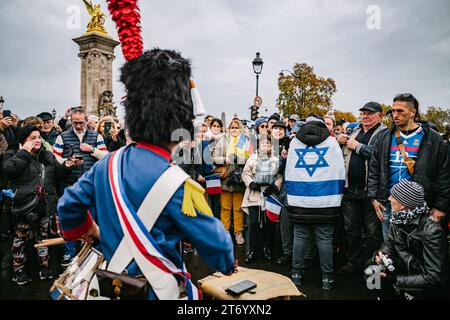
column 431, row 169
column 23, row 171
column 255, row 198
column 420, row 254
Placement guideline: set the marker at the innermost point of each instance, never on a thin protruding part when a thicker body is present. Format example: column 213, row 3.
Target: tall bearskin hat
column 159, row 89
column 158, row 96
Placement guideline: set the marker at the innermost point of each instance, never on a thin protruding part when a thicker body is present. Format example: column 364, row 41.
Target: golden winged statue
column 97, row 17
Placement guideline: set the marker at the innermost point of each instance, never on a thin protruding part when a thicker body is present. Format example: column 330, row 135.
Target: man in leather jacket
column 416, row 244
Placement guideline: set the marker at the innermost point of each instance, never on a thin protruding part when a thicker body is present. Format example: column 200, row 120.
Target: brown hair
column 106, row 119
column 33, row 121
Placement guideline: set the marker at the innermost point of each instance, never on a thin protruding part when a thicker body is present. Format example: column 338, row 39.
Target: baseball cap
column 372, row 106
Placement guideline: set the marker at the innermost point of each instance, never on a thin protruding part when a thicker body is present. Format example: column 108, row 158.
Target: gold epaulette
column 194, row 199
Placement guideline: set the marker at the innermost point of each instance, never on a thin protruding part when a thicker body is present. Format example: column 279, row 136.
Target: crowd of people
column 291, row 190
column 40, row 159
column 333, row 183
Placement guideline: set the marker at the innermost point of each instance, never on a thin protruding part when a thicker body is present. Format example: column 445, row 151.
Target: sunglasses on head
column 404, row 95
column 407, row 97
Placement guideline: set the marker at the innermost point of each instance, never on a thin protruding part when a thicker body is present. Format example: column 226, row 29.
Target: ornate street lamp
column 54, row 114
column 257, row 68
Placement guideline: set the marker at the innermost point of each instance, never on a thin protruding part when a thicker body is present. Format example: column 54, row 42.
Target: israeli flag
column 315, row 175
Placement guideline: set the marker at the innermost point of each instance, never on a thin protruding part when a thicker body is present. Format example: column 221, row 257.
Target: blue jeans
column 323, row 236
column 387, row 219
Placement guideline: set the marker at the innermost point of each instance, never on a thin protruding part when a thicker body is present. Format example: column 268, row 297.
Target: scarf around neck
column 405, row 217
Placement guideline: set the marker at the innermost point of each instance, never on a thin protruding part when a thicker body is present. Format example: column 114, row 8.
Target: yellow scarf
column 232, row 147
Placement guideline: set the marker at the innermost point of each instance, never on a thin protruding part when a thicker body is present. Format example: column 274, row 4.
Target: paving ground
column 346, row 287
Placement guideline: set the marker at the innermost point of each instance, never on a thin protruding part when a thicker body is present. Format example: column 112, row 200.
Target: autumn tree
column 440, row 117
column 303, row 92
column 387, row 119
column 347, row 116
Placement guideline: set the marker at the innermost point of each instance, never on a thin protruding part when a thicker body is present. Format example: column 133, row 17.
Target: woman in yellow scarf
column 233, row 150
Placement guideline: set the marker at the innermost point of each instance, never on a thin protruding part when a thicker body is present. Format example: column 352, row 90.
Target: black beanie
column 24, row 132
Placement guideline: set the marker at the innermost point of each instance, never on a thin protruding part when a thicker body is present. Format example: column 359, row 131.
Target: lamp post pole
column 2, row 102
column 257, row 69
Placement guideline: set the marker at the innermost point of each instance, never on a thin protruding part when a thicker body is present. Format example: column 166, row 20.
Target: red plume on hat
column 127, row 17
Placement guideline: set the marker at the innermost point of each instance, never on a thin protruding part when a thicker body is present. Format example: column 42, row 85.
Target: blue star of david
column 311, row 168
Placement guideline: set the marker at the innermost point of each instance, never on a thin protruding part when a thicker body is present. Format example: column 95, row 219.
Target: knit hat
column 408, row 193
column 259, row 122
column 314, row 118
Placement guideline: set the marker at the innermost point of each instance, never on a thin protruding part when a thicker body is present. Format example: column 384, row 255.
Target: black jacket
column 23, row 172
column 420, row 254
column 311, row 134
column 431, row 169
column 121, row 141
column 51, row 136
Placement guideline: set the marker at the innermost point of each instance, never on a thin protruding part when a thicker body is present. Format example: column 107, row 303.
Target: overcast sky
column 410, row 52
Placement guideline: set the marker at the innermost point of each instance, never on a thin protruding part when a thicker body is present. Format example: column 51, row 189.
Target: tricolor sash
column 159, row 270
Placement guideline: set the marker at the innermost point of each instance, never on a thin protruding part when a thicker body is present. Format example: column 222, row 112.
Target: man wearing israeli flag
column 315, row 179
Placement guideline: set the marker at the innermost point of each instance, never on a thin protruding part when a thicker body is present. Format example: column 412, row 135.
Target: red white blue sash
column 157, row 268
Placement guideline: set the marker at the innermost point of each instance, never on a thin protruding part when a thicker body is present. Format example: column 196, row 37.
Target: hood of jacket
column 313, row 133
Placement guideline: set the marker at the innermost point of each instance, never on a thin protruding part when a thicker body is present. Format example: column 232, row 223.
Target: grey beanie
column 409, row 193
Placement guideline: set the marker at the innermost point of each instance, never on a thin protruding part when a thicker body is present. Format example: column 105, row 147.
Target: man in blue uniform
column 158, row 102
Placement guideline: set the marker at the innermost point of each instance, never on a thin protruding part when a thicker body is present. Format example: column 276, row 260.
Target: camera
column 234, row 178
column 387, row 265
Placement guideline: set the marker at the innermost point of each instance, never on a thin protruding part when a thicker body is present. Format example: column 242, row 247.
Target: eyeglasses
column 263, row 126
column 78, row 123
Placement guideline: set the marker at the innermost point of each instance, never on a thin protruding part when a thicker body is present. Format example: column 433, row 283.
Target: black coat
column 23, row 171
column 113, row 146
column 431, row 169
column 420, row 254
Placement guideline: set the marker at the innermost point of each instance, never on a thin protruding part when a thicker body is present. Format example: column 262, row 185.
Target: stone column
column 97, row 55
